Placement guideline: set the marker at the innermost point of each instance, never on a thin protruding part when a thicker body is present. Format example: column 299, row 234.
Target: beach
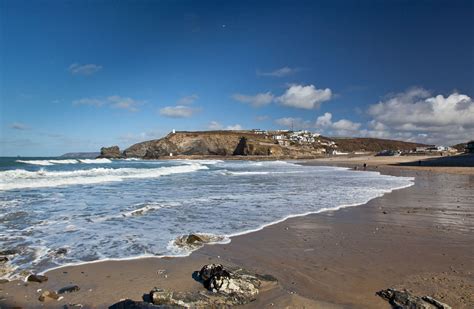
column 418, row 238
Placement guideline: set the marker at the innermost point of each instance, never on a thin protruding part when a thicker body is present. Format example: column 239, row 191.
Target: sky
column 79, row 75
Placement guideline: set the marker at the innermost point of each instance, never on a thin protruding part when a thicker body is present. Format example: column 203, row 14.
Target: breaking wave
column 20, row 179
column 65, row 161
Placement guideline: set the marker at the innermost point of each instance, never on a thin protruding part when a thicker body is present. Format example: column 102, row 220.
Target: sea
column 56, row 212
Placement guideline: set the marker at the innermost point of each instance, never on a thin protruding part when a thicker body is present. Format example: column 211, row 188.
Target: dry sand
column 420, row 238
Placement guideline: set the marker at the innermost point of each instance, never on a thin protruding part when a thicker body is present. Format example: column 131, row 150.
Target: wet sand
column 420, row 238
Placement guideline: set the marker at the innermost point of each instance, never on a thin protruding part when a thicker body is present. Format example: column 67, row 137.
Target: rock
column 3, row 259
column 131, row 304
column 9, row 252
column 224, row 288
column 112, row 152
column 36, row 278
column 194, row 241
column 406, row 300
column 242, row 286
column 210, row 270
column 72, row 306
column 61, row 251
column 161, row 297
column 48, row 295
column 68, row 289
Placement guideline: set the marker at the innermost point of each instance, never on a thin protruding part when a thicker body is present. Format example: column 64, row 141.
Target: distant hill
column 460, row 147
column 80, row 155
column 365, row 144
column 276, row 144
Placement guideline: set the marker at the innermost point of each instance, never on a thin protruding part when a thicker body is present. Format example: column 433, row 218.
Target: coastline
column 306, row 274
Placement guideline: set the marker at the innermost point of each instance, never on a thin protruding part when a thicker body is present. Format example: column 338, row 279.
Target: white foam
column 21, row 179
column 65, row 161
column 95, row 161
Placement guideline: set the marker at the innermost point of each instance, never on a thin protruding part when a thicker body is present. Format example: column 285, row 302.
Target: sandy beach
column 419, row 238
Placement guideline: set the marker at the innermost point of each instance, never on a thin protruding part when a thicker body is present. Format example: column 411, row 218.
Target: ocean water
column 115, row 209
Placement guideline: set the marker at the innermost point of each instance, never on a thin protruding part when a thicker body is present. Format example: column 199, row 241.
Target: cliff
column 220, row 143
column 247, row 143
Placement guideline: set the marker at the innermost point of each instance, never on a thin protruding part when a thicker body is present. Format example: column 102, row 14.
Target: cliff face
column 222, row 143
column 246, row 143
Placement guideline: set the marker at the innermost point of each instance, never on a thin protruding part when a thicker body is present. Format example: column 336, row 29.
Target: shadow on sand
column 462, row 160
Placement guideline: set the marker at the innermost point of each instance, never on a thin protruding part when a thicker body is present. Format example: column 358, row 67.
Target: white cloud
column 19, row 126
column 186, row 100
column 345, row 125
column 124, row 103
column 285, row 71
column 234, row 127
column 305, row 97
column 260, row 99
column 417, row 110
column 215, row 125
column 114, row 101
column 420, row 116
column 342, row 127
column 84, row 69
column 324, row 120
column 178, row 111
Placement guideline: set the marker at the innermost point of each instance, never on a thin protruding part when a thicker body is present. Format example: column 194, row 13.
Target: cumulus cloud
column 84, row 69
column 178, row 111
column 340, row 127
column 260, row 99
column 182, row 109
column 305, row 97
column 114, row 101
column 421, row 116
column 19, row 126
column 215, row 125
column 285, row 71
column 416, row 109
column 324, row 120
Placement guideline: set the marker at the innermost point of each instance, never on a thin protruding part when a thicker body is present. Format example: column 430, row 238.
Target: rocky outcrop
column 407, row 300
column 36, row 278
column 112, row 152
column 209, row 143
column 194, row 241
column 224, row 288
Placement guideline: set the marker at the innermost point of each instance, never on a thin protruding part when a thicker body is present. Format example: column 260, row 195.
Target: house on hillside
column 470, row 147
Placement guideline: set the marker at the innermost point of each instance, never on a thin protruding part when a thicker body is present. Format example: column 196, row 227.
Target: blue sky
column 78, row 75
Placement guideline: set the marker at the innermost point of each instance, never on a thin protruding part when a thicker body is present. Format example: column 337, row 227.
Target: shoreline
column 270, row 240
column 227, row 238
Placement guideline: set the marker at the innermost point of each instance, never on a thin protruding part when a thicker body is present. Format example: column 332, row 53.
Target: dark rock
column 68, row 289
column 3, row 259
column 61, row 251
column 406, row 300
column 48, row 295
column 211, row 270
column 224, row 288
column 194, row 241
column 131, row 304
column 110, row 152
column 37, row 278
column 73, row 306
column 9, row 252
